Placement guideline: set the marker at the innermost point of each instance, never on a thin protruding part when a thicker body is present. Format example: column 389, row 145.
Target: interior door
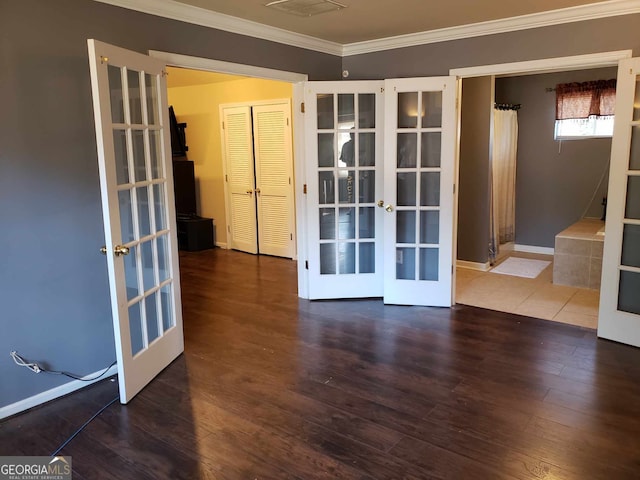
column 238, row 145
column 136, row 181
column 619, row 316
column 274, row 179
column 343, row 125
column 418, row 202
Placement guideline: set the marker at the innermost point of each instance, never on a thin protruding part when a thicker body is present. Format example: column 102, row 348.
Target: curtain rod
column 507, row 106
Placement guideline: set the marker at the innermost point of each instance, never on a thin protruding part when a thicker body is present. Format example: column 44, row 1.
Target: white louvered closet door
column 274, row 177
column 238, row 146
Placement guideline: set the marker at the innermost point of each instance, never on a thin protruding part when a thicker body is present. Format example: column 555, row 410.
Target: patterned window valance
column 582, row 100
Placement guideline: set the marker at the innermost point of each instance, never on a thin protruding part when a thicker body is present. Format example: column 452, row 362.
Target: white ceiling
column 364, row 20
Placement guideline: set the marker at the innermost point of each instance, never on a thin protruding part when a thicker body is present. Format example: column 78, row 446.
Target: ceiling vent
column 306, row 8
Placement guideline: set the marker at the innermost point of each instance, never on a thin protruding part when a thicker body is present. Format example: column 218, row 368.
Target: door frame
column 297, row 80
column 544, row 65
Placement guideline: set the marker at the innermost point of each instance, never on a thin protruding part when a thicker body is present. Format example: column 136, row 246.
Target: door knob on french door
column 388, row 208
column 118, row 250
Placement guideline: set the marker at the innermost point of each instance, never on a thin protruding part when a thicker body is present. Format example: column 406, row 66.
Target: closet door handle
column 249, row 192
column 257, row 190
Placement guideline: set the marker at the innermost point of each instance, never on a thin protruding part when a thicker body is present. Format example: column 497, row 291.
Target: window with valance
column 585, row 110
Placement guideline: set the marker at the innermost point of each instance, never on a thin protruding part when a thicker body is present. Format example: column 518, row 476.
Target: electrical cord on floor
column 66, row 442
column 34, row 367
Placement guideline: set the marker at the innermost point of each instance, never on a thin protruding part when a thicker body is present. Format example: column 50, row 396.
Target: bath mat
column 521, row 267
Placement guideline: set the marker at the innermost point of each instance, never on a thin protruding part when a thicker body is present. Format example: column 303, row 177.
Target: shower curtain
column 503, row 179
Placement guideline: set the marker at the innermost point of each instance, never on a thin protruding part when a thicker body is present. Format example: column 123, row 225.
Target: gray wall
column 473, row 196
column 53, row 282
column 615, row 33
column 555, row 181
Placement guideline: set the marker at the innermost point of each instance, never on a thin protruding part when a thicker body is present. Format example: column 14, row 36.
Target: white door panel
column 343, row 125
column 419, row 175
column 619, row 316
column 136, row 181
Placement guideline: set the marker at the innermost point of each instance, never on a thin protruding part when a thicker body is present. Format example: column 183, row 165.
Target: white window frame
column 593, row 125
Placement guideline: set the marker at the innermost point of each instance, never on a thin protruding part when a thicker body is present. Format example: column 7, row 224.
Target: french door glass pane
column 367, row 186
column 429, row 226
column 636, row 101
column 155, row 153
column 406, row 226
column 159, row 206
column 115, row 91
column 135, row 328
column 367, row 149
column 326, row 154
column 430, row 189
column 367, row 222
column 151, row 315
column 367, row 257
column 148, row 276
column 366, row 110
column 407, row 150
column 121, row 157
column 429, row 264
column 126, row 216
column 407, row 110
column 346, row 186
column 406, row 263
column 325, row 111
column 631, row 246
column 347, row 223
column 139, row 163
column 628, row 298
column 346, row 110
column 144, row 219
column 152, row 99
column 327, row 224
column 164, row 263
column 347, row 257
column 131, row 273
column 633, row 198
column 431, row 109
column 327, row 258
column 167, row 311
column 135, row 104
column 406, row 184
column 431, row 148
column 326, row 189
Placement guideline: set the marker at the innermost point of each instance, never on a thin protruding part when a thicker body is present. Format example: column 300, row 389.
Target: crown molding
column 580, row 13
column 207, row 18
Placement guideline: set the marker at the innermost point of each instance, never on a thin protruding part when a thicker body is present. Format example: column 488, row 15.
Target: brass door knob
column 120, row 250
column 389, row 208
column 103, row 250
column 381, row 203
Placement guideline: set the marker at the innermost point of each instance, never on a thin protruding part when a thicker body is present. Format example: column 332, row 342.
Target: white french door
column 136, row 181
column 419, row 167
column 619, row 316
column 381, row 227
column 343, row 129
column 237, row 136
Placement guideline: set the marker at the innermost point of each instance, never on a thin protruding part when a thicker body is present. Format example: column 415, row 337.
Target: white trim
column 198, row 63
column 533, row 249
column 579, row 13
column 545, row 65
column 219, row 21
column 53, row 393
column 222, row 245
column 480, row 267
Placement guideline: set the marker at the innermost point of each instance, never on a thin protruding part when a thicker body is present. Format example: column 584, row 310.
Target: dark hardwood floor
column 271, row 386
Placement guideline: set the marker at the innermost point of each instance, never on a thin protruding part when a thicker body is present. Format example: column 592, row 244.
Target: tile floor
column 533, row 297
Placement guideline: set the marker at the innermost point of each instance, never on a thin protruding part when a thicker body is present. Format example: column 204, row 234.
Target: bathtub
column 577, row 259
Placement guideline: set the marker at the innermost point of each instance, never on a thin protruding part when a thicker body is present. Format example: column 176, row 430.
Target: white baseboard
column 533, row 249
column 481, row 267
column 221, row 245
column 52, row 394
